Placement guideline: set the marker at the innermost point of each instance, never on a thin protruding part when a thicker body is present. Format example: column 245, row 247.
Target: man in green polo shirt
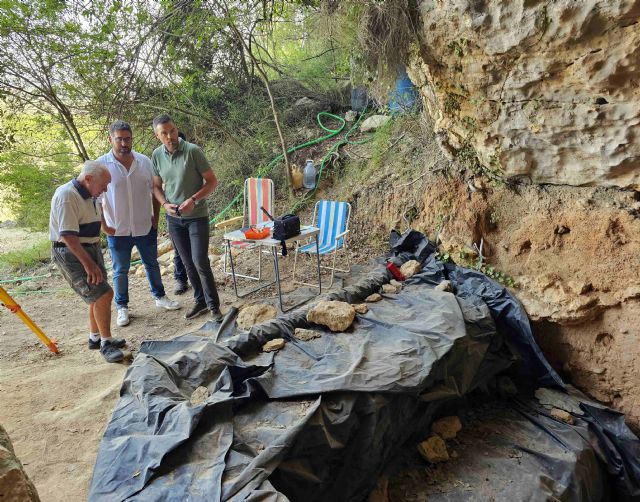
column 188, row 179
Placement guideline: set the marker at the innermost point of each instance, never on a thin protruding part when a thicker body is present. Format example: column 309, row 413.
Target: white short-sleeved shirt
column 74, row 212
column 127, row 203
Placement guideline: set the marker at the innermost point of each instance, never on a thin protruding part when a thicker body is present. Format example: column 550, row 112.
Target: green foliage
column 498, row 276
column 40, row 159
column 74, row 67
column 26, row 258
column 451, row 103
column 469, row 123
column 443, row 257
column 380, row 144
column 458, row 47
column 466, row 259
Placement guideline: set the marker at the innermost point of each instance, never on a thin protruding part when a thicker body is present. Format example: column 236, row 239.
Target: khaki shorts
column 74, row 273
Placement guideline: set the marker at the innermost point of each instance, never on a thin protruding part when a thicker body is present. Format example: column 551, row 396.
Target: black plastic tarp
column 320, row 419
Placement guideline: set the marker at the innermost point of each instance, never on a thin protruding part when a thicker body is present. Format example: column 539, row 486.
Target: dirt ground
column 56, row 408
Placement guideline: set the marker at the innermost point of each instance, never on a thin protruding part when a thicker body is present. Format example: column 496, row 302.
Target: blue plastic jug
column 309, row 175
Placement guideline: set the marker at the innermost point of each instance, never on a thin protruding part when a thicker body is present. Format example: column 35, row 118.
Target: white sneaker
column 123, row 316
column 165, row 303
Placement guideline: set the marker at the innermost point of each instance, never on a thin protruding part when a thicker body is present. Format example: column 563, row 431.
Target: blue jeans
column 191, row 239
column 120, row 247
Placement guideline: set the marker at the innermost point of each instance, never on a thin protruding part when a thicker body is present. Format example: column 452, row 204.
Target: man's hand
column 94, row 274
column 108, row 230
column 171, row 209
column 187, row 206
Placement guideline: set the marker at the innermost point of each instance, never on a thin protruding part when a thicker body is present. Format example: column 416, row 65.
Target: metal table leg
column 233, row 274
column 277, row 273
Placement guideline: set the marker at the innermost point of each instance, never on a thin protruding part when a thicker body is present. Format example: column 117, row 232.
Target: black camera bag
column 285, row 227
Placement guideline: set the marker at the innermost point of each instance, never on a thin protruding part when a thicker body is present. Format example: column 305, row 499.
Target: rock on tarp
column 319, row 419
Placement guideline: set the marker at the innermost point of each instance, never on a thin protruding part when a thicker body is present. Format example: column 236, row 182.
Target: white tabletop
column 305, row 231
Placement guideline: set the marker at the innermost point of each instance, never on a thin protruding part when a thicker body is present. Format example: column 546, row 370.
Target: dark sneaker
column 181, row 288
column 111, row 353
column 198, row 308
column 216, row 315
column 116, row 342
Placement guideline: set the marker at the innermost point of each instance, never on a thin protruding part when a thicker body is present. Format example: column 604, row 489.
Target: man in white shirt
column 130, row 218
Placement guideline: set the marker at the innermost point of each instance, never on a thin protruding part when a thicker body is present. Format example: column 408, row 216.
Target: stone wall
column 544, row 90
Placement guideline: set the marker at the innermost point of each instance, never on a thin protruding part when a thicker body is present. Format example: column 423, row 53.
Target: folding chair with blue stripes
column 257, row 192
column 332, row 218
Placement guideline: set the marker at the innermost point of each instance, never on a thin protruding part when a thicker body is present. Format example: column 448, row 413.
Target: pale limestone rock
column 306, row 334
column 444, row 286
column 411, row 267
column 199, row 396
column 273, row 345
column 434, row 450
column 351, row 116
column 541, row 90
column 447, row 427
column 389, row 289
column 164, row 271
column 580, row 287
column 140, row 272
column 360, row 308
column 164, row 247
column 374, row 122
column 255, row 314
column 395, row 283
column 562, row 415
column 375, row 297
column 337, row 316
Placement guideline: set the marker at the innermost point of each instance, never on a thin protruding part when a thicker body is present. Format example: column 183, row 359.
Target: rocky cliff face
column 544, row 90
column 574, row 252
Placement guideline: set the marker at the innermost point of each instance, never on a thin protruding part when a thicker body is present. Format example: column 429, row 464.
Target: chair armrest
column 236, row 221
column 340, row 236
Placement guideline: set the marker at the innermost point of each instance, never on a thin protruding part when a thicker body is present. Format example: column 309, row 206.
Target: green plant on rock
column 458, row 47
column 451, row 103
column 498, row 276
column 443, row 257
column 469, row 124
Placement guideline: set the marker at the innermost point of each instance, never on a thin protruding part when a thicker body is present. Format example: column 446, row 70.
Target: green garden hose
column 263, row 172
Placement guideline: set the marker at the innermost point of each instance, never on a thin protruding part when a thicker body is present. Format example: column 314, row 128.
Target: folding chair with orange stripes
column 257, row 192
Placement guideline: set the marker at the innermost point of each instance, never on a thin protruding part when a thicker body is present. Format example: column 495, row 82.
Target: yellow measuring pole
column 11, row 304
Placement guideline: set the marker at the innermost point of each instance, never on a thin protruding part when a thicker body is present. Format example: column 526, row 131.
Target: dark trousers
column 179, row 272
column 191, row 240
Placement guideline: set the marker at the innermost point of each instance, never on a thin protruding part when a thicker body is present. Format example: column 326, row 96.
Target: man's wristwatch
column 193, row 198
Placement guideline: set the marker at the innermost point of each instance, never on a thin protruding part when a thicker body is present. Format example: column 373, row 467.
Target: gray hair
column 93, row 168
column 120, row 125
column 161, row 119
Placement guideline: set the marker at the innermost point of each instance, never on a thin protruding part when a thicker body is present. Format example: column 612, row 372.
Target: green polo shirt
column 181, row 173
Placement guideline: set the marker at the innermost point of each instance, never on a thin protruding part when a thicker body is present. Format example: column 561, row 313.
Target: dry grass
column 385, row 32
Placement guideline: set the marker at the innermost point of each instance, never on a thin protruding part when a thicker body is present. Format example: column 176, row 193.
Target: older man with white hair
column 74, row 230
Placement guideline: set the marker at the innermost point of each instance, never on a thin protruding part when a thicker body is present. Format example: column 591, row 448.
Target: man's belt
column 63, row 245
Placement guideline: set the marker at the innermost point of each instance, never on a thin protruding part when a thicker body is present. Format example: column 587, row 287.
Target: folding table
column 275, row 245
